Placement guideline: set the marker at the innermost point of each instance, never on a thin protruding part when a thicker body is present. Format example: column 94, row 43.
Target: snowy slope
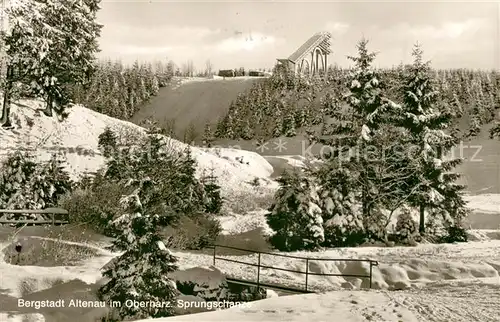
column 78, row 135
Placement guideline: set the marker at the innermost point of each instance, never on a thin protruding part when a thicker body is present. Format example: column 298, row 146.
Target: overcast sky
column 453, row 34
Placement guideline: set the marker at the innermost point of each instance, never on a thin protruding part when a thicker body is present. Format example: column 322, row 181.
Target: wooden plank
column 40, row 222
column 58, row 211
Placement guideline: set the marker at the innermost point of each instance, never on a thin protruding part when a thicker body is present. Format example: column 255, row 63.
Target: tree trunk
column 421, row 227
column 48, row 108
column 6, row 98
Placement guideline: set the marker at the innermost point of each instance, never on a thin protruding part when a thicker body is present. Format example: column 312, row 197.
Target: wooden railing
column 307, row 273
column 53, row 212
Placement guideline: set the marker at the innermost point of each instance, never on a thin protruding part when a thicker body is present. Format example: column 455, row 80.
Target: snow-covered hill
column 77, row 138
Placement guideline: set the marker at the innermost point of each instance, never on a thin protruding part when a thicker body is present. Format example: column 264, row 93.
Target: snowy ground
column 437, row 283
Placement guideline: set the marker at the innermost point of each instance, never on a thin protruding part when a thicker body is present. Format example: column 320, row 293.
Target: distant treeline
column 118, row 90
column 285, row 103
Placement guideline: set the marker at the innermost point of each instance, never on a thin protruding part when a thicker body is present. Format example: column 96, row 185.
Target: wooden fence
column 57, row 216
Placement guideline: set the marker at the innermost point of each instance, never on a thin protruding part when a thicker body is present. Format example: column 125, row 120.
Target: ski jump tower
column 311, row 57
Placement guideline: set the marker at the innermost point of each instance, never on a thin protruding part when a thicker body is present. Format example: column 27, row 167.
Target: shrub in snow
column 344, row 231
column 141, row 272
column 25, row 184
column 295, row 215
column 455, row 234
column 375, row 226
column 95, row 202
column 193, row 233
column 406, row 227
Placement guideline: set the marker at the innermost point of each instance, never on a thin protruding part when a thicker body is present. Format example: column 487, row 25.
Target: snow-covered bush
column 141, row 272
column 108, row 142
column 344, row 231
column 295, row 215
column 406, row 227
column 194, row 232
column 455, row 234
column 375, row 226
column 26, row 184
column 214, row 202
column 173, row 171
column 94, row 202
column 343, row 222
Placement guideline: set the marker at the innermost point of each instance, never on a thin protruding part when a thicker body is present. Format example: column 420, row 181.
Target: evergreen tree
column 288, row 126
column 433, row 182
column 53, row 44
column 208, row 136
column 357, row 128
column 190, row 134
column 174, row 173
column 212, row 191
column 141, row 272
column 26, row 184
column 107, row 143
column 295, row 215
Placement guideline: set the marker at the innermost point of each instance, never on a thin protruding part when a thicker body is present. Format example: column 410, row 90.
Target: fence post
column 307, row 271
column 258, row 272
column 371, row 271
column 215, row 246
column 53, row 219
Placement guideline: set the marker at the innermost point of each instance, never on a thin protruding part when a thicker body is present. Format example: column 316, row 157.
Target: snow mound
column 208, row 283
column 486, row 203
column 42, row 278
column 77, row 138
column 236, row 224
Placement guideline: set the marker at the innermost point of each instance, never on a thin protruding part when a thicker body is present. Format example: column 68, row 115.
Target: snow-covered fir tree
column 107, row 142
column 26, row 184
column 213, row 196
column 353, row 131
column 433, row 183
column 176, row 185
column 343, row 223
column 295, row 215
column 141, row 272
column 208, row 135
column 51, row 45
